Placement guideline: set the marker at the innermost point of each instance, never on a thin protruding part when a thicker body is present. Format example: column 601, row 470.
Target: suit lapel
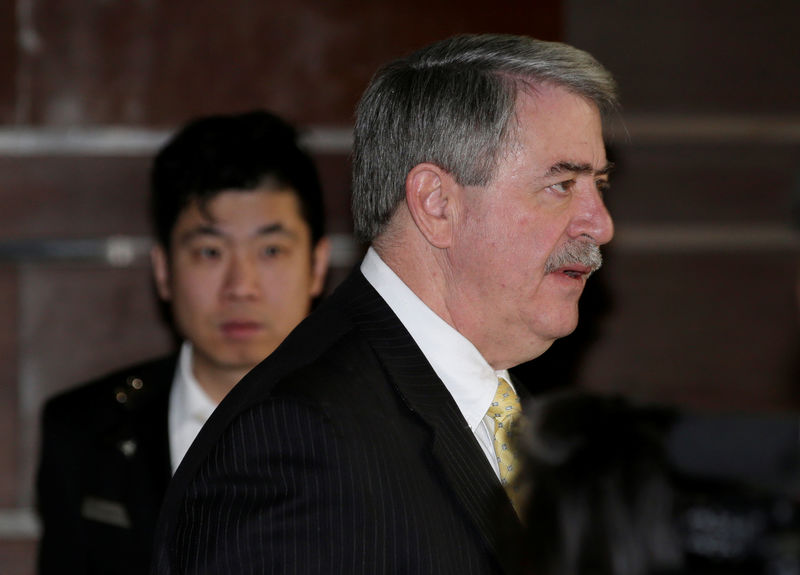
column 454, row 447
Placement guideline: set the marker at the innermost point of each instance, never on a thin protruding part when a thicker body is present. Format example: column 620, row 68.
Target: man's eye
column 272, row 251
column 208, row 253
column 561, row 188
column 603, row 186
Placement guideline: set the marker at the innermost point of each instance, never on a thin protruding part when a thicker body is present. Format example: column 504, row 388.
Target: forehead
column 554, row 125
column 239, row 208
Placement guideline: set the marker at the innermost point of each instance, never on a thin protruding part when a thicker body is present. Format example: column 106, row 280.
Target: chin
column 244, row 359
column 563, row 330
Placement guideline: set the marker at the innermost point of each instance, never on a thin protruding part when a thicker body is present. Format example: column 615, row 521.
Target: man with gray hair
column 374, row 439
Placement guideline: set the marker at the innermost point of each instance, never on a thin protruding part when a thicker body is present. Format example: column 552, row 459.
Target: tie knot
column 505, row 402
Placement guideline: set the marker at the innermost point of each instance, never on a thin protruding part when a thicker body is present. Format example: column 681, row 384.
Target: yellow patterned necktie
column 504, row 410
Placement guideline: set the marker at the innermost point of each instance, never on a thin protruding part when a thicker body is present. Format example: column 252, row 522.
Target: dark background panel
column 95, row 196
column 8, row 60
column 9, row 353
column 17, row 556
column 712, row 183
column 685, row 56
column 713, row 330
column 73, row 196
column 157, row 63
column 703, row 329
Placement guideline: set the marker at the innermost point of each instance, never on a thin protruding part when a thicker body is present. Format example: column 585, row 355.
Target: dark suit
column 103, row 471
column 341, row 453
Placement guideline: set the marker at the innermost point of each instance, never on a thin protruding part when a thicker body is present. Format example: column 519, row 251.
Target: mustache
column 584, row 252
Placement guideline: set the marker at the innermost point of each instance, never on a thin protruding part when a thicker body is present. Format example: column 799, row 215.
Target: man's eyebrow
column 275, row 228
column 210, row 230
column 199, row 231
column 581, row 169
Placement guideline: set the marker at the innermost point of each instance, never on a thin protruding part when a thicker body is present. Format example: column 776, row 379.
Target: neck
column 431, row 275
column 216, row 381
column 426, row 271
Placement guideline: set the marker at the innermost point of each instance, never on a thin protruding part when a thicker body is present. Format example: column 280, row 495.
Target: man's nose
column 592, row 218
column 241, row 279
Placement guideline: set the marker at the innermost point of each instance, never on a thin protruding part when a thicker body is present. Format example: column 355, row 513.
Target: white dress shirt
column 189, row 407
column 465, row 373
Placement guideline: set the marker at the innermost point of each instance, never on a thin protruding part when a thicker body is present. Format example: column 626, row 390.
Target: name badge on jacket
column 105, row 511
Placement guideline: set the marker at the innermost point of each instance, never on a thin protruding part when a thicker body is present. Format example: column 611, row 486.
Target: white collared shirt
column 189, row 407
column 465, row 373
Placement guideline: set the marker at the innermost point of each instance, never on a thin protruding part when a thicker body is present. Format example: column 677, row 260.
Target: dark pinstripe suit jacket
column 340, row 453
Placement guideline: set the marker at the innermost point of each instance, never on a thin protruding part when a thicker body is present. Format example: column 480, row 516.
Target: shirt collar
column 465, row 373
column 191, row 401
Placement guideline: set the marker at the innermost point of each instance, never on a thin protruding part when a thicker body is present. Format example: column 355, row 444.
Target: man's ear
column 160, row 263
column 320, row 258
column 431, row 194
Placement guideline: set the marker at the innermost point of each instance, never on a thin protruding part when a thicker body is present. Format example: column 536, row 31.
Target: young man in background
column 240, row 254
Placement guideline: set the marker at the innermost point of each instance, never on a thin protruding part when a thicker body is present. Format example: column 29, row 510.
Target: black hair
column 240, row 152
column 601, row 496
